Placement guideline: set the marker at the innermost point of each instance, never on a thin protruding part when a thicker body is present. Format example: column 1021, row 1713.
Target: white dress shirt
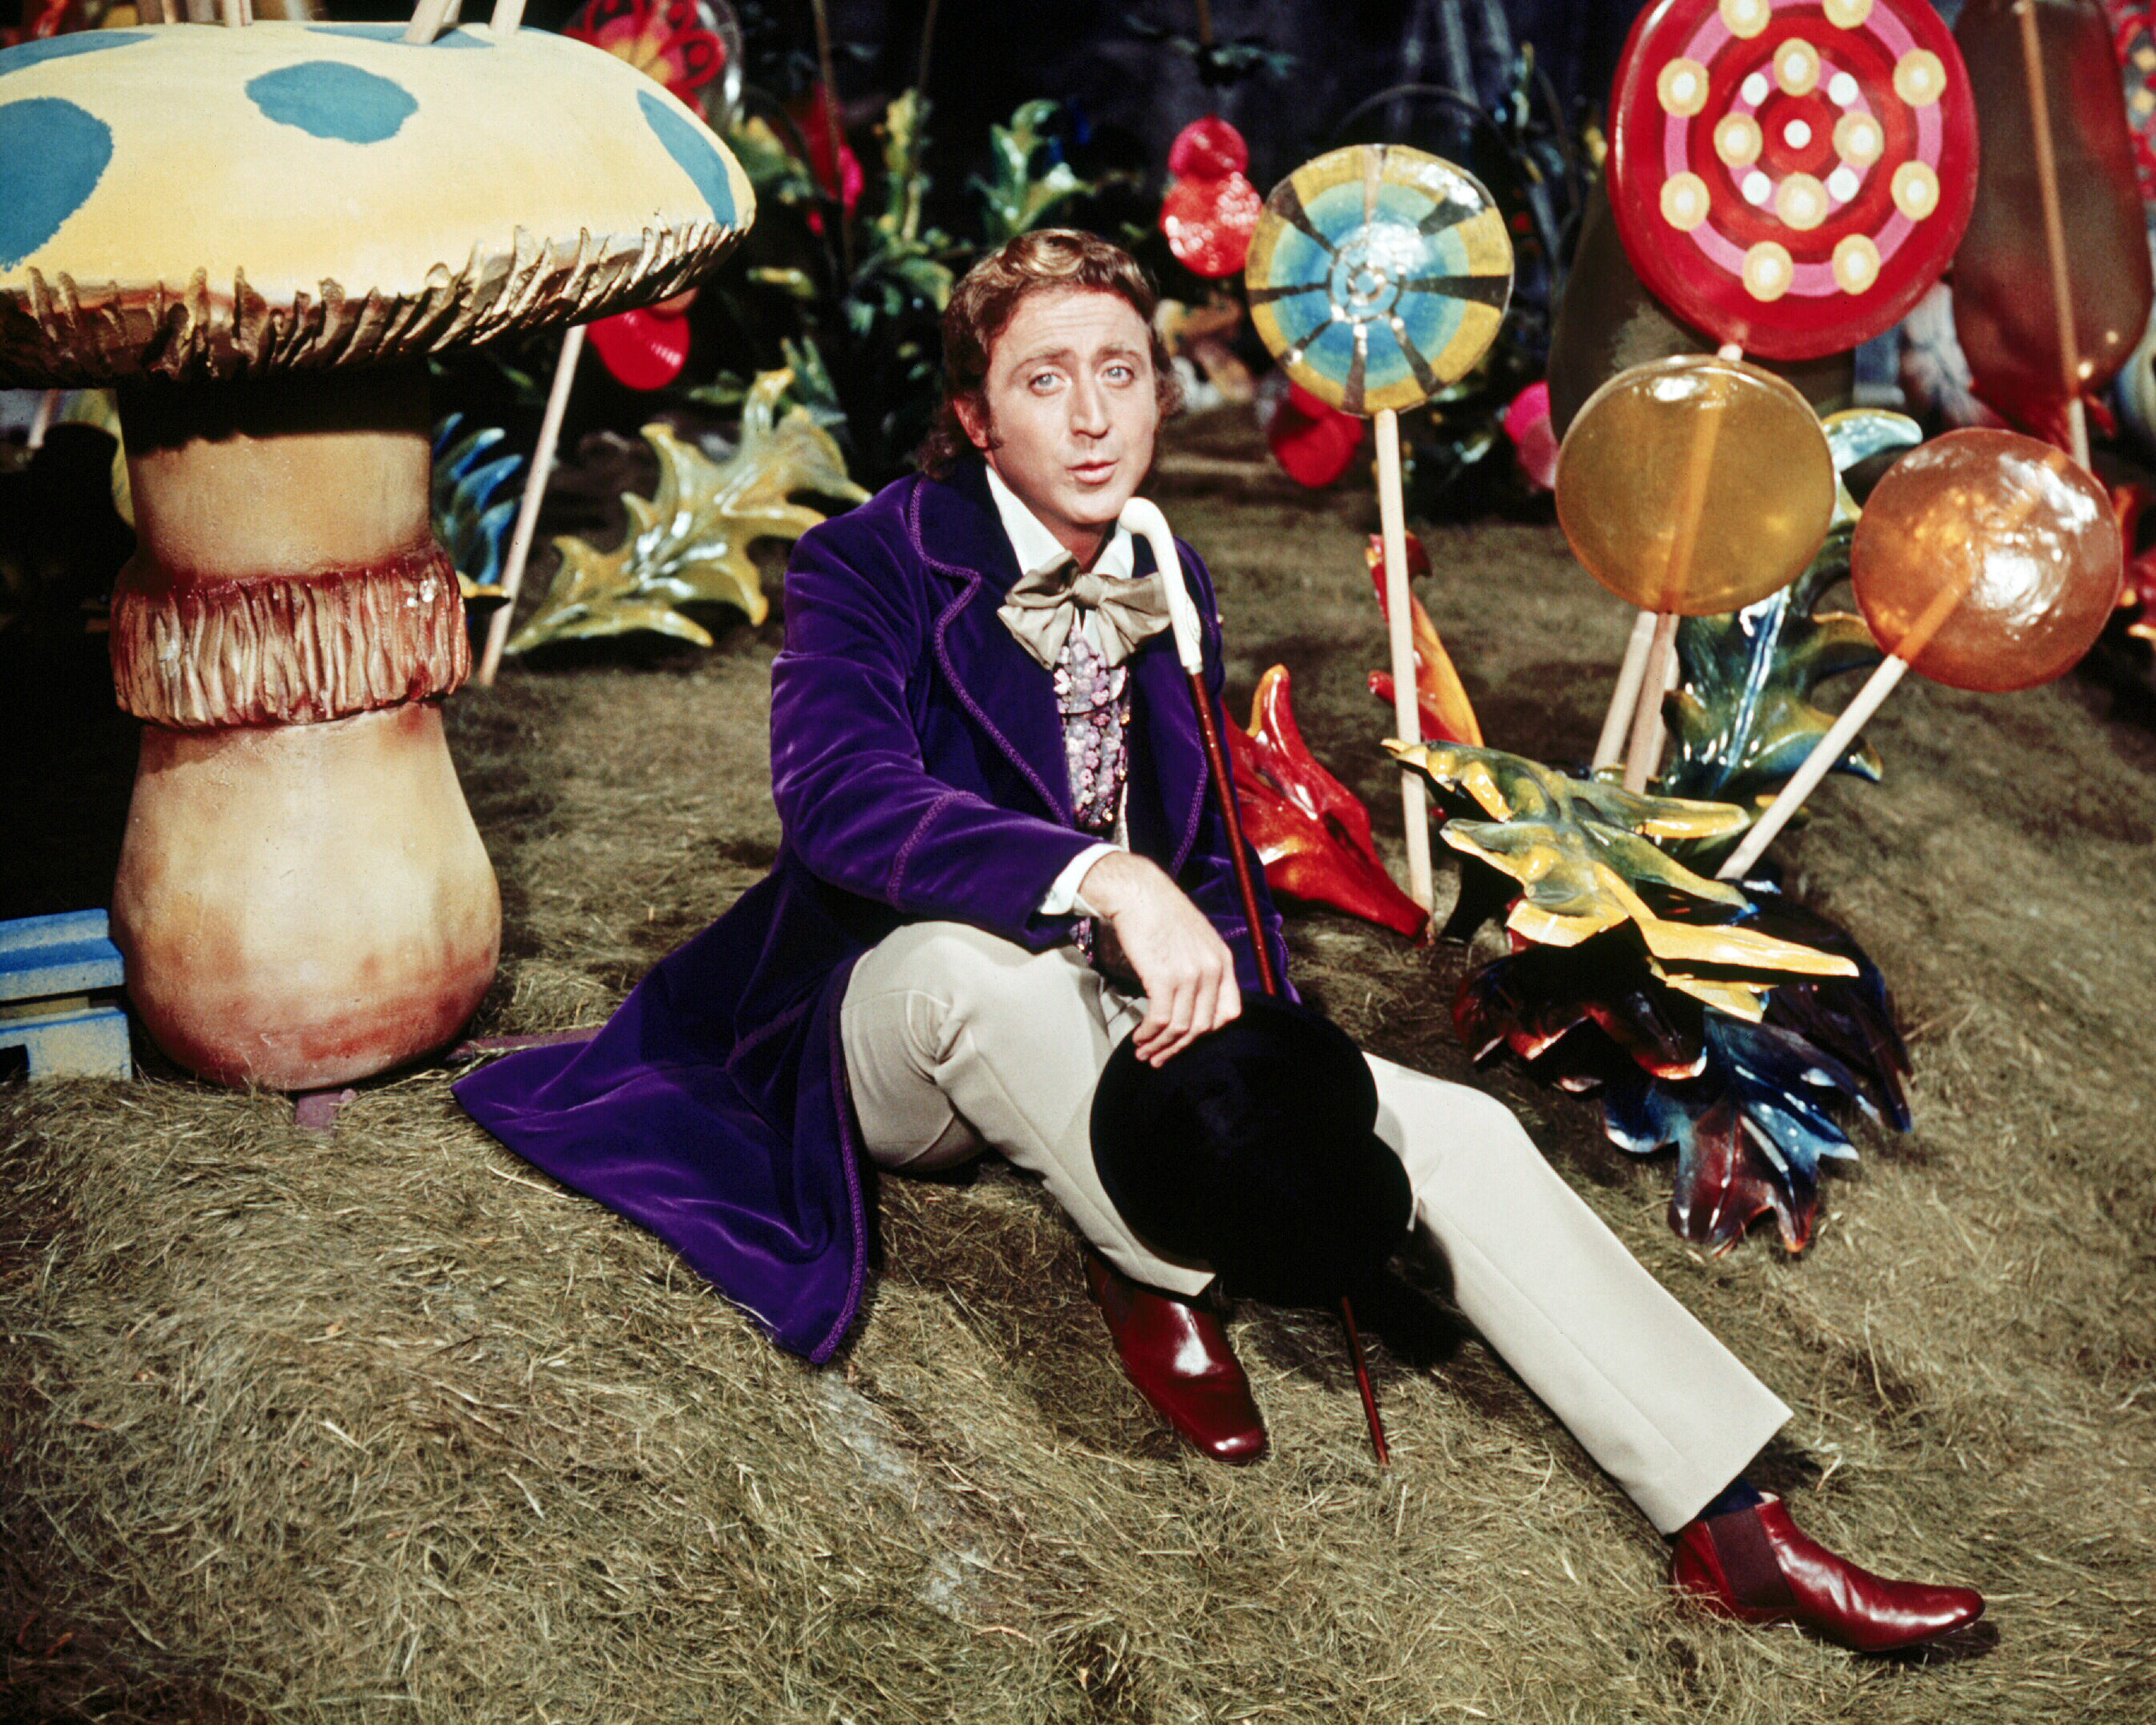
column 1037, row 549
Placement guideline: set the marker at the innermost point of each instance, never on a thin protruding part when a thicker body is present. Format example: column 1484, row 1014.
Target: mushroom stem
column 302, row 897
column 508, row 14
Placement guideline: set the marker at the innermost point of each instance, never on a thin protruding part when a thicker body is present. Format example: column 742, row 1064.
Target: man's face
column 1070, row 411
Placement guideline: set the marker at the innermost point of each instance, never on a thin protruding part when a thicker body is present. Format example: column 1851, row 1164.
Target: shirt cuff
column 1062, row 897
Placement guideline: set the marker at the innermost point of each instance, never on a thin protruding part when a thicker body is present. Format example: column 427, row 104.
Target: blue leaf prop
column 1750, row 1131
column 473, row 526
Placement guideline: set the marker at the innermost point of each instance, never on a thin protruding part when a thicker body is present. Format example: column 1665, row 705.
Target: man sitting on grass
column 1000, row 860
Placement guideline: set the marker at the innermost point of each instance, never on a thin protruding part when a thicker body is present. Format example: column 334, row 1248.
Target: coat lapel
column 958, row 534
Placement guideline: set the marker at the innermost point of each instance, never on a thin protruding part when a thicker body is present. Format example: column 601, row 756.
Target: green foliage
column 1015, row 197
column 1744, row 715
column 688, row 544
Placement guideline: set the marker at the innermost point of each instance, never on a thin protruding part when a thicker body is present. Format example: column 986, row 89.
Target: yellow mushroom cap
column 187, row 201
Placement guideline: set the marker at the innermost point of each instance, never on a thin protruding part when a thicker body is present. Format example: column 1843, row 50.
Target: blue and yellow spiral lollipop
column 1378, row 275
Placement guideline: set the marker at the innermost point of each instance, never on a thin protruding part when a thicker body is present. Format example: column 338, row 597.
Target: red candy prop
column 1792, row 175
column 644, row 348
column 1310, row 831
column 1210, row 210
column 1314, row 443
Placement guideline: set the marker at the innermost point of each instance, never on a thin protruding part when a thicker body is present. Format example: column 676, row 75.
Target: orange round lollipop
column 1695, row 486
column 1987, row 561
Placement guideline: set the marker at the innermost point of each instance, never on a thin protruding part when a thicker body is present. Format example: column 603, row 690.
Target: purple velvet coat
column 917, row 764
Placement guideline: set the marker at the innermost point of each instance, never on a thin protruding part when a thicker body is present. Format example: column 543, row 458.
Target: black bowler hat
column 1254, row 1151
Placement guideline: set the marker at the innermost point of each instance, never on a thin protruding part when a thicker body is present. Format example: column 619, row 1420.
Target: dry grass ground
column 385, row 1427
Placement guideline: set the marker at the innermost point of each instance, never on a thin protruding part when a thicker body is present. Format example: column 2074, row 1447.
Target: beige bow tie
column 1043, row 606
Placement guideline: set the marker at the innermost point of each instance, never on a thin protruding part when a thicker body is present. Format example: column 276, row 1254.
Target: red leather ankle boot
column 1176, row 1352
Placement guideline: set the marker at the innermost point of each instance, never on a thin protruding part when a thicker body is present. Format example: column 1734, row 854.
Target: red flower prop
column 1447, row 714
column 1309, row 830
column 1527, row 423
column 811, row 114
column 675, row 41
column 2138, row 592
column 1314, row 443
column 645, row 348
column 1211, row 210
column 41, row 18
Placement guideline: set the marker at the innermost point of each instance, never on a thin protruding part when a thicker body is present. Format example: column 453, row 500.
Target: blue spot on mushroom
column 326, row 98
column 52, row 156
column 693, row 152
column 60, row 48
column 460, row 38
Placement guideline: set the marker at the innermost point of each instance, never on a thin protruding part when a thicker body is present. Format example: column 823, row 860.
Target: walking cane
column 1145, row 520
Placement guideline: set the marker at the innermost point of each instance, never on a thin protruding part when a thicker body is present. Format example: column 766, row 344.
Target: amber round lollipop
column 1987, row 561
column 1695, row 486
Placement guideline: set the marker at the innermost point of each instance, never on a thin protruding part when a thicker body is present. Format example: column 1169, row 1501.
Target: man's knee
column 970, row 975
column 1434, row 1124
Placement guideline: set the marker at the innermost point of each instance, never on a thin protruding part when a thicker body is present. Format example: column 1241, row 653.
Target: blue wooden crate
column 51, row 967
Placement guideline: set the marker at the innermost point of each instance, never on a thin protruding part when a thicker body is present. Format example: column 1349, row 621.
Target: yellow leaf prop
column 1576, row 846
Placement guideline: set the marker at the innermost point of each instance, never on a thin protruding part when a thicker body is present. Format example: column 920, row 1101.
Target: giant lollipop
column 1984, row 559
column 1791, row 175
column 1690, row 487
column 1378, row 275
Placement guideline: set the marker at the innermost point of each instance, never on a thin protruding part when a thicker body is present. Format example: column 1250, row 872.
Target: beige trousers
column 957, row 1041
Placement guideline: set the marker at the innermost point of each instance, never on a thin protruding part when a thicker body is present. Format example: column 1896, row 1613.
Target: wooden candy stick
column 427, row 20
column 2055, row 232
column 1643, row 754
column 1624, row 700
column 1831, row 748
column 528, row 509
column 1407, row 713
column 1377, row 276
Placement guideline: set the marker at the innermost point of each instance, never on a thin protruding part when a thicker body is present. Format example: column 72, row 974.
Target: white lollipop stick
column 427, row 20
column 1828, row 750
column 528, row 509
column 1645, row 752
column 1407, row 710
column 1610, row 747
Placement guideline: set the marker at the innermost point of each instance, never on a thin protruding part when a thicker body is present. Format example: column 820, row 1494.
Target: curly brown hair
column 1048, row 260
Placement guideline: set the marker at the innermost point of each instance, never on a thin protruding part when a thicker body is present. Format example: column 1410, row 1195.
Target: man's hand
column 1185, row 968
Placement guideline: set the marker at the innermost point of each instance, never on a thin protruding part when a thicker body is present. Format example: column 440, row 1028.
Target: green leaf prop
column 1017, row 198
column 1744, row 715
column 688, row 543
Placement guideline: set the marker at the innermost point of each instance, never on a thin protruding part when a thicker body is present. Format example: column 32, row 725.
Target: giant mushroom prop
column 257, row 236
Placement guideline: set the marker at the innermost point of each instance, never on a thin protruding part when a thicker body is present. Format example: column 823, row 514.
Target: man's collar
column 1036, row 548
